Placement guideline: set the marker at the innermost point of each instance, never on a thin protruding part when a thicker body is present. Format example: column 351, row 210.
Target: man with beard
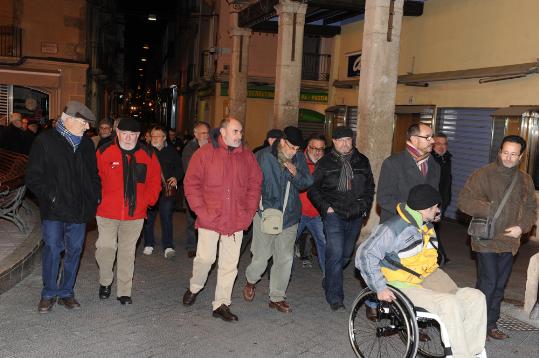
column 402, row 171
column 131, row 182
column 285, row 173
column 480, row 197
column 222, row 186
column 343, row 192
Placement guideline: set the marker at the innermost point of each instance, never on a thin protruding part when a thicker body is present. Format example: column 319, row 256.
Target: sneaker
column 296, row 251
column 148, row 250
column 170, row 252
column 306, row 263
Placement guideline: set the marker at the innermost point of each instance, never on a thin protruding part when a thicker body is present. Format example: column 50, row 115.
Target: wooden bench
column 12, row 188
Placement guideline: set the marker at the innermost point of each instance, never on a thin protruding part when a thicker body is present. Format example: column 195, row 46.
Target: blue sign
column 354, row 64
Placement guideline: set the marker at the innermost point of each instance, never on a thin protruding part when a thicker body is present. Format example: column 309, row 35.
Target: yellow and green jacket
column 403, row 240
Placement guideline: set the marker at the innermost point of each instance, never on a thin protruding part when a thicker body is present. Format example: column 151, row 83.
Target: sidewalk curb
column 15, row 267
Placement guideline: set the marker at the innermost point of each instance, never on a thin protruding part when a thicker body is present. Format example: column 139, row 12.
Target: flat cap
column 274, row 133
column 293, row 135
column 342, row 132
column 79, row 110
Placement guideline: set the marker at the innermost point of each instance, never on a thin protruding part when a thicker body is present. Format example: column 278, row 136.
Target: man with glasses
column 310, row 217
column 285, row 173
column 343, row 192
column 131, row 181
column 402, row 171
column 480, row 197
column 104, row 133
column 171, row 173
column 62, row 174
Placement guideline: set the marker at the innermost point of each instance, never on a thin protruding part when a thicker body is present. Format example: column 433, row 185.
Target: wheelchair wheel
column 434, row 347
column 393, row 333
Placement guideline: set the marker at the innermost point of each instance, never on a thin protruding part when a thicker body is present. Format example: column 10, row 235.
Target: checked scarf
column 70, row 137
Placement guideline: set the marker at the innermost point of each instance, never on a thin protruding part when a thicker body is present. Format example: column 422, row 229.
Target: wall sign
column 354, row 64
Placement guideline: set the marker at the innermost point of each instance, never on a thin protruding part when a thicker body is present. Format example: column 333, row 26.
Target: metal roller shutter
column 469, row 132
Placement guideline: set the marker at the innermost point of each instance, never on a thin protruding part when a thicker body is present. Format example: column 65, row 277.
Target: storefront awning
column 29, row 77
column 514, row 111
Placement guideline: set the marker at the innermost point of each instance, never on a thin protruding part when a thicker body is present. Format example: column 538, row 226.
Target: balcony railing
column 315, row 67
column 10, row 41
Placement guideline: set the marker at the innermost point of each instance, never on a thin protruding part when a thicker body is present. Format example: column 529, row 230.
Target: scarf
column 347, row 174
column 129, row 164
column 72, row 139
column 420, row 159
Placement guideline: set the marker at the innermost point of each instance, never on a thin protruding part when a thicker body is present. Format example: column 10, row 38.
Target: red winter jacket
column 307, row 208
column 110, row 168
column 222, row 187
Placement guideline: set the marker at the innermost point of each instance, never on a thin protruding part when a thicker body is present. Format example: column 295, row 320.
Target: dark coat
column 398, row 175
column 66, row 184
column 444, row 161
column 170, row 161
column 275, row 179
column 16, row 140
column 347, row 205
column 190, row 148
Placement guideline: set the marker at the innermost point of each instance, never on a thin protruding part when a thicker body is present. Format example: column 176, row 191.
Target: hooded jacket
column 483, row 192
column 222, row 186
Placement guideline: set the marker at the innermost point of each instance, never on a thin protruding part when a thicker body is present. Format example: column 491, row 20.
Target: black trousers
column 493, row 272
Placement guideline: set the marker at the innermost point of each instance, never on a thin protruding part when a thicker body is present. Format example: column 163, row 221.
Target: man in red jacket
column 130, row 181
column 222, row 186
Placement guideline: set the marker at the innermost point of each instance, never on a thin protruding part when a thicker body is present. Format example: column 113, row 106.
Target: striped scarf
column 347, row 173
column 420, row 159
column 70, row 137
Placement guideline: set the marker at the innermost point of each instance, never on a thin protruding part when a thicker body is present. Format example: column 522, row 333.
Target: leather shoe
column 104, row 291
column 124, row 299
column 191, row 253
column 496, row 333
column 336, row 306
column 249, row 292
column 223, row 312
column 69, row 303
column 189, row 298
column 45, row 305
column 281, row 306
column 372, row 314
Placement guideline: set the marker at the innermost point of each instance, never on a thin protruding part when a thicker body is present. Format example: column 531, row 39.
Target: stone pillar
column 378, row 84
column 237, row 89
column 288, row 65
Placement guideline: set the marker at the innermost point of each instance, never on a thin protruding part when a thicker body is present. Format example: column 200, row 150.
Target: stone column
column 237, row 89
column 288, row 65
column 378, row 84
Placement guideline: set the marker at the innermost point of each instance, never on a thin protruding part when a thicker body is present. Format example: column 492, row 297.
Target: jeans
column 316, row 228
column 341, row 237
column 190, row 231
column 493, row 272
column 166, row 209
column 58, row 237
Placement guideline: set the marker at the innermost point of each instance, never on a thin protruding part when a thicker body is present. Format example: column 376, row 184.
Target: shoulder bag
column 272, row 219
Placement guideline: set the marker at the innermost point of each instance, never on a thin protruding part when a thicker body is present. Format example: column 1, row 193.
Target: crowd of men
column 288, row 186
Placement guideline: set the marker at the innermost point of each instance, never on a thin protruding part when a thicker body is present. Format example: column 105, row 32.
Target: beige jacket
column 481, row 196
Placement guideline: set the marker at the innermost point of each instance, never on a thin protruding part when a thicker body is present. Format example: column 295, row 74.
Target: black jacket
column 66, row 184
column 170, row 161
column 347, row 205
column 445, row 177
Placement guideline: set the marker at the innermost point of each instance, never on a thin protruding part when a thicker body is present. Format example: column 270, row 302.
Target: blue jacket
column 274, row 184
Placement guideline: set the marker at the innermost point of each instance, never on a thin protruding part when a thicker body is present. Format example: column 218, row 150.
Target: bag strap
column 401, row 266
column 285, row 197
column 505, row 197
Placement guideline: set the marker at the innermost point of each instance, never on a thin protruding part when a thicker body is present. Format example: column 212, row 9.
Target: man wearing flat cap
column 131, row 182
column 62, row 174
column 402, row 253
column 285, row 174
column 343, row 192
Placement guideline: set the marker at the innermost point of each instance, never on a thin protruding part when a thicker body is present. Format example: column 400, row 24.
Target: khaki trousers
column 117, row 236
column 227, row 266
column 462, row 310
column 281, row 248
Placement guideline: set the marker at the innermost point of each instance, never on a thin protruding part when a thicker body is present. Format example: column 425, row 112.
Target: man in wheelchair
column 402, row 252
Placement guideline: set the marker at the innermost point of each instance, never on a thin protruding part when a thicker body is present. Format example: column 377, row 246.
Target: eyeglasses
column 429, row 138
column 80, row 120
column 315, row 149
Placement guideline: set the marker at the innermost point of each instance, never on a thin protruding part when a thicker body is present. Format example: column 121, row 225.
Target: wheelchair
column 400, row 329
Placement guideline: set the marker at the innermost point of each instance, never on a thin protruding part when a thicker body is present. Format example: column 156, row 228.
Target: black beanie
column 423, row 196
column 342, row 132
column 129, row 124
